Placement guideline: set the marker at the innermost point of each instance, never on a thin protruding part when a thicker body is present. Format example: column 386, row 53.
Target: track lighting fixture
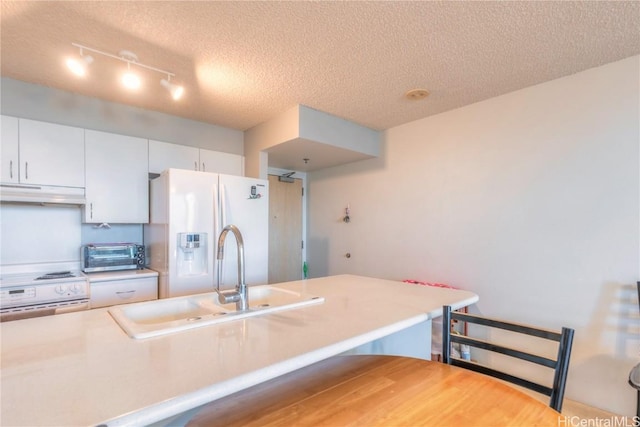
column 176, row 91
column 129, row 79
column 79, row 65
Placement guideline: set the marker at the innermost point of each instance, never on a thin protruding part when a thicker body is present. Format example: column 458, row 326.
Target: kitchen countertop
column 82, row 369
column 104, row 276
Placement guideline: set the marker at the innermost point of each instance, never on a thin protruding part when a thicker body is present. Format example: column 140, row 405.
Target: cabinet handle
column 11, row 169
column 91, row 210
column 204, row 169
column 126, row 294
column 26, row 170
column 195, row 166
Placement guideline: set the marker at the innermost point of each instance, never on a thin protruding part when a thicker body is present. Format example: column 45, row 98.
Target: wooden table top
column 378, row 391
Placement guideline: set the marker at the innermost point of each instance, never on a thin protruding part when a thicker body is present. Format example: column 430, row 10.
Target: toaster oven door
column 109, row 257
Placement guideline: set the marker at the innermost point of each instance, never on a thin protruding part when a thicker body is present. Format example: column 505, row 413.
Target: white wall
column 53, row 233
column 37, row 102
column 530, row 199
column 34, row 234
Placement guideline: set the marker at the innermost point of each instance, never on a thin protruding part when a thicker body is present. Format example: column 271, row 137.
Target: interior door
column 285, row 230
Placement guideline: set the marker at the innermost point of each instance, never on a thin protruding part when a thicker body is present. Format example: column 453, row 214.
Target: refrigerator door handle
column 223, row 200
column 216, row 229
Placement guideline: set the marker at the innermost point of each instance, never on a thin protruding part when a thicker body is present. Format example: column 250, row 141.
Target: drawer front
column 113, row 292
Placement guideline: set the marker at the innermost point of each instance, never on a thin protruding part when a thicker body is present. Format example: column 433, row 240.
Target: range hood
column 42, row 194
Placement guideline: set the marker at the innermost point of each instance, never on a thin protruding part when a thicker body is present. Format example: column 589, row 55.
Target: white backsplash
column 42, row 234
column 35, row 234
column 113, row 233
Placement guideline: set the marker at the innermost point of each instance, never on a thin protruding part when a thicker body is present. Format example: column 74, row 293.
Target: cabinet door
column 218, row 162
column 163, row 155
column 9, row 156
column 117, row 179
column 51, row 154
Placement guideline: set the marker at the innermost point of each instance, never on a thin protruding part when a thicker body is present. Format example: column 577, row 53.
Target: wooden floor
column 581, row 412
column 279, row 402
column 571, row 408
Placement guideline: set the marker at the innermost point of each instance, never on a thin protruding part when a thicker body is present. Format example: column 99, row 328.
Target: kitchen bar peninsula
column 83, row 369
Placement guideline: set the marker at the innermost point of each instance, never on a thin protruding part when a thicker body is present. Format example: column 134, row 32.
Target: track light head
column 176, row 91
column 79, row 65
column 130, row 80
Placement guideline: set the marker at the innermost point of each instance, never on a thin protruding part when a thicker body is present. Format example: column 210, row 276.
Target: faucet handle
column 227, row 297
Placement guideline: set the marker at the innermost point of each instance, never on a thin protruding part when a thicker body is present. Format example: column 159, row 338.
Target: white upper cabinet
column 117, row 187
column 218, row 162
column 48, row 154
column 163, row 155
column 9, row 156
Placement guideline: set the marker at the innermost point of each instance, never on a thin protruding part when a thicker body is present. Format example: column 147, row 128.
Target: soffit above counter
column 304, row 133
column 290, row 155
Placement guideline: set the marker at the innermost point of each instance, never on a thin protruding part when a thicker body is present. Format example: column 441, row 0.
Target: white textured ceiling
column 243, row 63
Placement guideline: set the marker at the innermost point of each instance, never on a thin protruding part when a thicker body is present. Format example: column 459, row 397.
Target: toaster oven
column 112, row 256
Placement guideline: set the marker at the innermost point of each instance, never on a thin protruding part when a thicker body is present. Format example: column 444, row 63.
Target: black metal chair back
column 560, row 364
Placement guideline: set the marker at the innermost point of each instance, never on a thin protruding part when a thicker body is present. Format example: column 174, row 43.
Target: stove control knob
column 75, row 288
column 61, row 289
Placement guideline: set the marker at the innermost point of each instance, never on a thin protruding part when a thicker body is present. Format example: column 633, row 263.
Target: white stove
column 41, row 290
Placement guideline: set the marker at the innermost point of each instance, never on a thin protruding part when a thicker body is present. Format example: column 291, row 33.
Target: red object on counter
column 437, row 285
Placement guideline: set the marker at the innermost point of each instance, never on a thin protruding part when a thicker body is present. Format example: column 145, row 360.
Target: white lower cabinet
column 113, row 288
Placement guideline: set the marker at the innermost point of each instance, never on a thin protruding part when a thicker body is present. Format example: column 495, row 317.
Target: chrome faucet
column 241, row 295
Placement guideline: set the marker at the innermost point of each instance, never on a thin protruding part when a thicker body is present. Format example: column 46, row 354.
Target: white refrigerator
column 188, row 210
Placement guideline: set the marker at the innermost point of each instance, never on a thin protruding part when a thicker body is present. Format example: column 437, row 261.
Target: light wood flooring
column 571, row 408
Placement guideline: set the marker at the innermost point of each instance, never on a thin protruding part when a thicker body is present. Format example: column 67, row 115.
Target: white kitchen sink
column 153, row 318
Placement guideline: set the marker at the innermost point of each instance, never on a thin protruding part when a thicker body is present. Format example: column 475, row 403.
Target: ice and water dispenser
column 192, row 254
